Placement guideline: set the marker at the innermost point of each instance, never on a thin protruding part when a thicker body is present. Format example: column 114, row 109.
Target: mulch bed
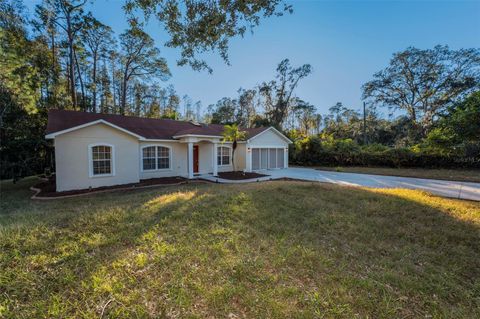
column 47, row 188
column 238, row 175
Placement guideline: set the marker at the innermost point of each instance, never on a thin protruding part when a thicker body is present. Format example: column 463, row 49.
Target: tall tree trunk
column 413, row 114
column 94, row 80
column 54, row 71
column 123, row 101
column 114, row 89
column 103, row 97
column 71, row 68
column 82, row 88
column 73, row 93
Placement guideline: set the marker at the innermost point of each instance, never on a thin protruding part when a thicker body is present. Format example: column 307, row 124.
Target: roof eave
column 84, row 125
column 197, row 135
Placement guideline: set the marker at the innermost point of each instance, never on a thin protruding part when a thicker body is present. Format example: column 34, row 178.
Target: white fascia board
column 55, row 134
column 196, row 135
column 158, row 140
column 266, row 146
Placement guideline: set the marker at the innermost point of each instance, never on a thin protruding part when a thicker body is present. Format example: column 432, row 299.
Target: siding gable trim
column 275, row 131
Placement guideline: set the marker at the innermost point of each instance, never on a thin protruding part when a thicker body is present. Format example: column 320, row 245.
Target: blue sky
column 344, row 41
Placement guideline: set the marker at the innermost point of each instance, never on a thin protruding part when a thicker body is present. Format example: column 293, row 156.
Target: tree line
column 424, row 103
column 271, row 103
column 62, row 56
column 72, row 60
column 78, row 63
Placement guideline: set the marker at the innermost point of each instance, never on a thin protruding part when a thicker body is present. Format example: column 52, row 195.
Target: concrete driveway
column 461, row 190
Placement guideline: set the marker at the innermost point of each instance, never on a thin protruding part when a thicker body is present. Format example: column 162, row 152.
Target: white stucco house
column 95, row 150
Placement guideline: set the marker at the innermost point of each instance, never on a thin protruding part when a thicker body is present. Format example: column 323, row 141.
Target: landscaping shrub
column 321, row 150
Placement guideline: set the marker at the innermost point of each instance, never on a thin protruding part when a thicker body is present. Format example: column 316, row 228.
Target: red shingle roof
column 59, row 120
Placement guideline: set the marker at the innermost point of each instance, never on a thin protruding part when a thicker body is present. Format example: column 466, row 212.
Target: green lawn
column 463, row 175
column 262, row 250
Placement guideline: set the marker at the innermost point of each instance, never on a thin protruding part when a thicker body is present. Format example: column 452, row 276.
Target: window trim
column 90, row 160
column 156, row 169
column 229, row 156
column 142, row 158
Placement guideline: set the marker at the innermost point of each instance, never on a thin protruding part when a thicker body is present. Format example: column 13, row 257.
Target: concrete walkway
column 461, row 190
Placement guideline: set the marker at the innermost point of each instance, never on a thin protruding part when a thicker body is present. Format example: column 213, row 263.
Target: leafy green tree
column 172, row 104
column 187, row 108
column 19, row 78
column 104, row 88
column 98, row 39
column 47, row 30
column 278, row 93
column 198, row 110
column 459, row 128
column 246, row 106
column 425, row 82
column 225, row 111
column 196, row 27
column 260, row 120
column 23, row 148
column 154, row 101
column 232, row 133
column 68, row 16
column 343, row 122
column 139, row 59
column 305, row 115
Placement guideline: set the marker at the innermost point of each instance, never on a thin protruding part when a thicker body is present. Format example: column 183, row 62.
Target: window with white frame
column 155, row 157
column 223, row 155
column 101, row 160
column 163, row 157
column 149, row 158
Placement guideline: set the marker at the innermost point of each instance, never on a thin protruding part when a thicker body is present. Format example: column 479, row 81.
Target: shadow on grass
column 410, row 258
column 278, row 249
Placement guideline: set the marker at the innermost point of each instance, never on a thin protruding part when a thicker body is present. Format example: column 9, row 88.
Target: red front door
column 195, row 158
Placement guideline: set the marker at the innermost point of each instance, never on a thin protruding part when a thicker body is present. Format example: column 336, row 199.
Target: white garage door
column 263, row 158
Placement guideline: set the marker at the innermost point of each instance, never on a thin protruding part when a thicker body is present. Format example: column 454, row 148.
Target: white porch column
column 285, row 158
column 215, row 164
column 248, row 159
column 190, row 160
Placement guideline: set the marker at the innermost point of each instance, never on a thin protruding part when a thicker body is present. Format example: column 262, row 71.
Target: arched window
column 223, row 155
column 101, row 160
column 155, row 157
